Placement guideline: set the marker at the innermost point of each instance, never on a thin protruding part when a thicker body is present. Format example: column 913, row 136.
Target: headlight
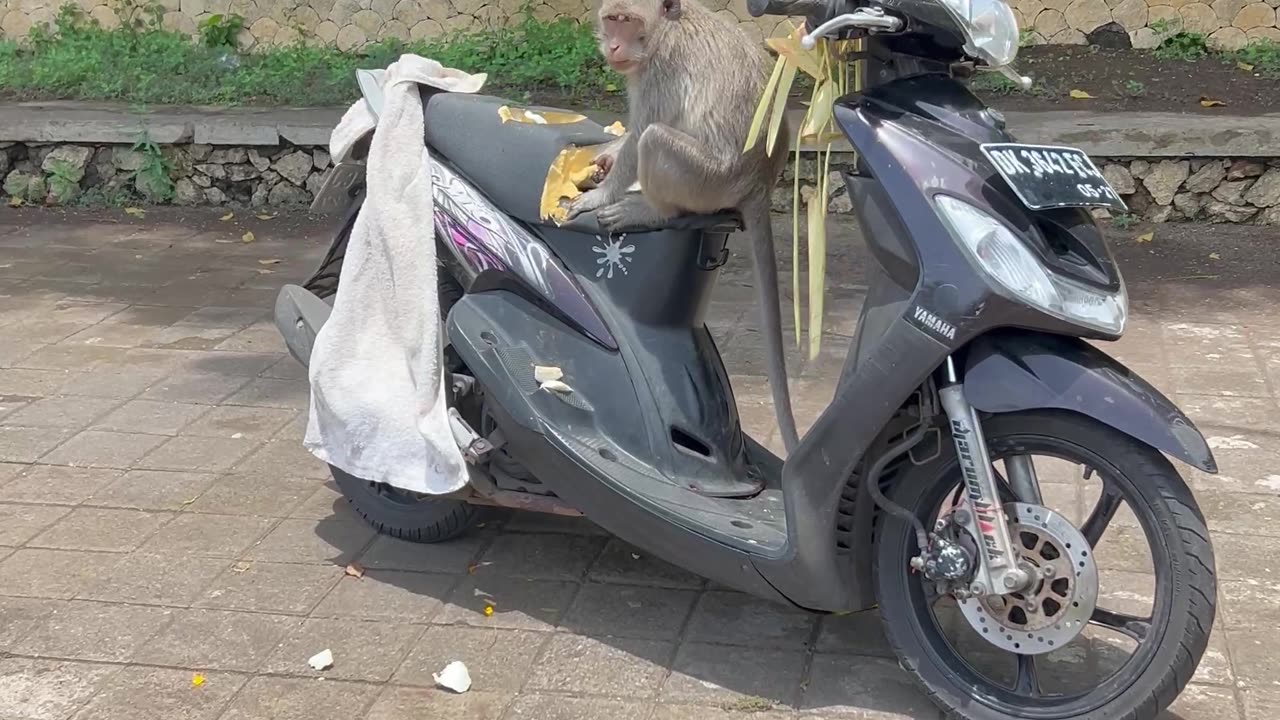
column 997, row 252
column 990, row 30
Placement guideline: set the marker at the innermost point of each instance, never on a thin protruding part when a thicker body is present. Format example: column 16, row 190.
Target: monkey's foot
column 632, row 211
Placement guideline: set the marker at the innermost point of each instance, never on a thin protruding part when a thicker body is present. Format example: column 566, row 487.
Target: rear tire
column 400, row 513
column 403, row 514
column 1174, row 530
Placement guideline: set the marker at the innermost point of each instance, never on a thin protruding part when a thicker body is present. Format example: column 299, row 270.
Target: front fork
column 999, row 569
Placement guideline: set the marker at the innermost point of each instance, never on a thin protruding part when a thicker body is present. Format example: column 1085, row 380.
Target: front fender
column 1009, row 371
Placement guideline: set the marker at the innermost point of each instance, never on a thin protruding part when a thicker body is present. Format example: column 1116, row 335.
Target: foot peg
column 473, row 447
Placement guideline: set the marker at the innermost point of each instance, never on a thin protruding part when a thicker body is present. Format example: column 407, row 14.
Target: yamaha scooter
column 971, row 392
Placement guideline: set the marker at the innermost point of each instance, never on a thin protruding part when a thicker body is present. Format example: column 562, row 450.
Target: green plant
column 63, row 181
column 151, row 179
column 1182, row 45
column 1125, row 221
column 141, row 63
column 1165, row 26
column 1263, row 55
column 1025, row 37
column 994, row 83
column 220, row 31
column 97, row 197
column 1135, row 88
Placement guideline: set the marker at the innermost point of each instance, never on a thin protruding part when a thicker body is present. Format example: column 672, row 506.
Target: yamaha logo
column 933, row 323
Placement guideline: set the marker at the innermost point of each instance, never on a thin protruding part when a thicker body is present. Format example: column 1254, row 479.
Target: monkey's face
column 623, row 37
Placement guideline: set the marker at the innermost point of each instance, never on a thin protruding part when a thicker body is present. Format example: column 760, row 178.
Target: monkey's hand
column 588, row 201
column 632, row 211
column 604, row 163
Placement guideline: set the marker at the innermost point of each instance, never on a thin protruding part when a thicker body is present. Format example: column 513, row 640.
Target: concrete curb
column 1151, row 135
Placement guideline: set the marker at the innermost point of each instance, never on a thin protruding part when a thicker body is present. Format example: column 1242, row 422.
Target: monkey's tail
column 760, row 233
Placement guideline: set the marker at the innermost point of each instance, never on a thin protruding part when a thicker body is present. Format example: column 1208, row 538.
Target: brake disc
column 1056, row 606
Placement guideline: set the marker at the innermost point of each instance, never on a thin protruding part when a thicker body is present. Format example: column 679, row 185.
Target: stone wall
column 1228, row 24
column 1238, row 190
column 197, row 174
column 350, row 24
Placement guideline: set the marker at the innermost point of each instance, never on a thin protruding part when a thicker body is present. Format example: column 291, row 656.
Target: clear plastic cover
column 989, row 26
column 996, row 251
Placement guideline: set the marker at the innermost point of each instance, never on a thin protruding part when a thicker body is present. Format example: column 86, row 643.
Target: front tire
column 1182, row 608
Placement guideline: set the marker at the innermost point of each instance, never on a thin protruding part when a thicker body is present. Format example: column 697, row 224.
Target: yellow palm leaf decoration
column 826, row 65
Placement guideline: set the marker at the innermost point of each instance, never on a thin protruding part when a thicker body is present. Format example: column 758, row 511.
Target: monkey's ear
column 671, row 9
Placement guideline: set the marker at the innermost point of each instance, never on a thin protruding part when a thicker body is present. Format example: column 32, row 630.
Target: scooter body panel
column 1018, row 370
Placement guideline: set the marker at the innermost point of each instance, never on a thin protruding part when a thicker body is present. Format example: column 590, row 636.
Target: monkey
column 693, row 81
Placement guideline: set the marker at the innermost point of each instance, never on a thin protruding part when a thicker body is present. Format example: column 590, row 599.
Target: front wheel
column 1143, row 590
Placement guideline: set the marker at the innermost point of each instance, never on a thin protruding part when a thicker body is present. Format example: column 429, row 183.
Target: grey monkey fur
column 691, row 100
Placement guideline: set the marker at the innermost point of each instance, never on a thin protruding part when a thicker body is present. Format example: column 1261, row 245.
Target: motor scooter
column 919, row 488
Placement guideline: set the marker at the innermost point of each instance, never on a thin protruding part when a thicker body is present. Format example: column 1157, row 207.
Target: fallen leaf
column 135, row 212
column 270, row 261
column 197, row 680
column 355, row 571
column 453, row 677
column 616, row 129
column 1145, row 237
column 1080, row 95
column 266, row 216
column 635, row 556
column 188, row 502
column 1244, row 66
column 1210, row 102
column 488, row 611
column 15, row 201
column 241, row 567
column 225, row 242
column 264, row 271
column 611, row 87
column 247, row 237
column 1215, row 256
column 322, row 660
column 471, row 569
column 227, row 217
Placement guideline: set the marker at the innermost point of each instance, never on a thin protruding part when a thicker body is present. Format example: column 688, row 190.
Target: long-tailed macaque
column 693, row 82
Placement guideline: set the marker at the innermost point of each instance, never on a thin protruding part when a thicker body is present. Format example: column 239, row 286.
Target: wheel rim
column 1033, row 685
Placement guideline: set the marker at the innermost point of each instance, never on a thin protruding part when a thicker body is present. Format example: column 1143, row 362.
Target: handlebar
column 823, row 18
column 806, row 8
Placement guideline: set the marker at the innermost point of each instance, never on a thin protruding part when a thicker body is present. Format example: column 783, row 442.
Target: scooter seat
column 508, row 160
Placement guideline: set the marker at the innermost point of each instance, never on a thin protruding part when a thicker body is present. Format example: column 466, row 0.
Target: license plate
column 1047, row 176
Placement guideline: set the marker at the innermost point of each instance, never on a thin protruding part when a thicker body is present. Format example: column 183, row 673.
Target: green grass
column 1264, row 56
column 77, row 58
column 1179, row 44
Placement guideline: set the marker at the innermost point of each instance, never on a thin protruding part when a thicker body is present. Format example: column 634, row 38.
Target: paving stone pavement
column 159, row 517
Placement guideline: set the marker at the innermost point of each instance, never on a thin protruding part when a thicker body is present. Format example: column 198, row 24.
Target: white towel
column 377, row 385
